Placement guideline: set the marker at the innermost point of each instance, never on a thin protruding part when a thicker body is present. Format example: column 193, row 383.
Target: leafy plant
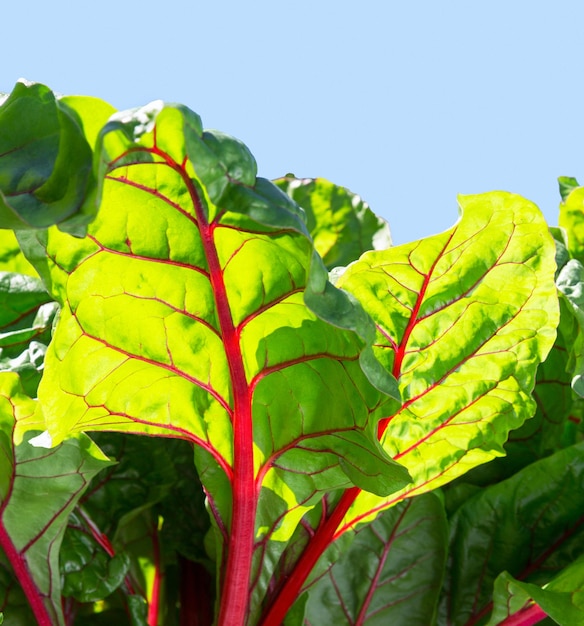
column 334, row 430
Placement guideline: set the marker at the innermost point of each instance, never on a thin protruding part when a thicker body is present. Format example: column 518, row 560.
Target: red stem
column 526, row 617
column 235, row 592
column 22, row 573
column 318, row 544
column 154, row 604
column 196, row 605
column 103, row 540
column 236, row 582
column 235, row 587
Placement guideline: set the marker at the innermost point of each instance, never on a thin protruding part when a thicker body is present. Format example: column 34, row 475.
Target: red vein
column 170, row 368
column 362, row 617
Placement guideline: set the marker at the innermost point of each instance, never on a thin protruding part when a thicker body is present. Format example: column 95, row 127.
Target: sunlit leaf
column 197, row 308
column 464, row 318
column 340, row 222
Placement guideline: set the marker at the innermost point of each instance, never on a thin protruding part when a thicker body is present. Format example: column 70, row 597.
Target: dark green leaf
column 391, row 573
column 567, row 184
column 530, row 525
column 26, row 317
column 38, row 490
column 45, row 163
column 88, row 572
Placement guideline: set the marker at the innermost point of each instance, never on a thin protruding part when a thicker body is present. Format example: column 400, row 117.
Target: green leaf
column 45, row 162
column 567, row 184
column 464, row 318
column 26, row 316
column 530, row 525
column 390, row 574
column 561, row 241
column 341, row 224
column 551, row 428
column 562, row 599
column 11, row 257
column 570, row 283
column 88, row 573
column 146, row 471
column 12, row 599
column 197, row 308
column 571, row 219
column 38, row 490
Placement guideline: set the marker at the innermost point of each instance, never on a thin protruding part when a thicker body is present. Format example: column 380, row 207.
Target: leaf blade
column 493, row 275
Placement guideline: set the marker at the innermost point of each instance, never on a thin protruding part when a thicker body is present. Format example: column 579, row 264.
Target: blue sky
column 406, row 103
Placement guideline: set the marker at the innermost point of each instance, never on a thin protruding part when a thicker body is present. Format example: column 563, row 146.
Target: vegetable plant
column 225, row 400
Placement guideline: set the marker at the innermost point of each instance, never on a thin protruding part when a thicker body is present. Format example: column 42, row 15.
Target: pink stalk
column 22, row 573
column 318, row 544
column 526, row 617
column 154, row 604
column 235, row 592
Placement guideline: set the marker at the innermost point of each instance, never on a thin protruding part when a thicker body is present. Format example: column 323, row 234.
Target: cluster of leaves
column 337, row 430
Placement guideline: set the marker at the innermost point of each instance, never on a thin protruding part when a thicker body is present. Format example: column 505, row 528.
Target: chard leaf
column 390, row 574
column 11, row 257
column 570, row 284
column 89, row 574
column 530, row 525
column 138, row 537
column 38, row 490
column 552, row 427
column 46, row 162
column 341, row 224
column 567, row 185
column 571, row 217
column 189, row 311
column 463, row 318
column 26, row 317
column 562, row 599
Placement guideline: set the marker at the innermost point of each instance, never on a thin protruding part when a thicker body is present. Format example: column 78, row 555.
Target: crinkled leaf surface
column 340, row 222
column 390, row 574
column 463, row 320
column 38, row 490
column 530, row 525
column 89, row 574
column 552, row 427
column 184, row 315
column 146, row 471
column 153, row 484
